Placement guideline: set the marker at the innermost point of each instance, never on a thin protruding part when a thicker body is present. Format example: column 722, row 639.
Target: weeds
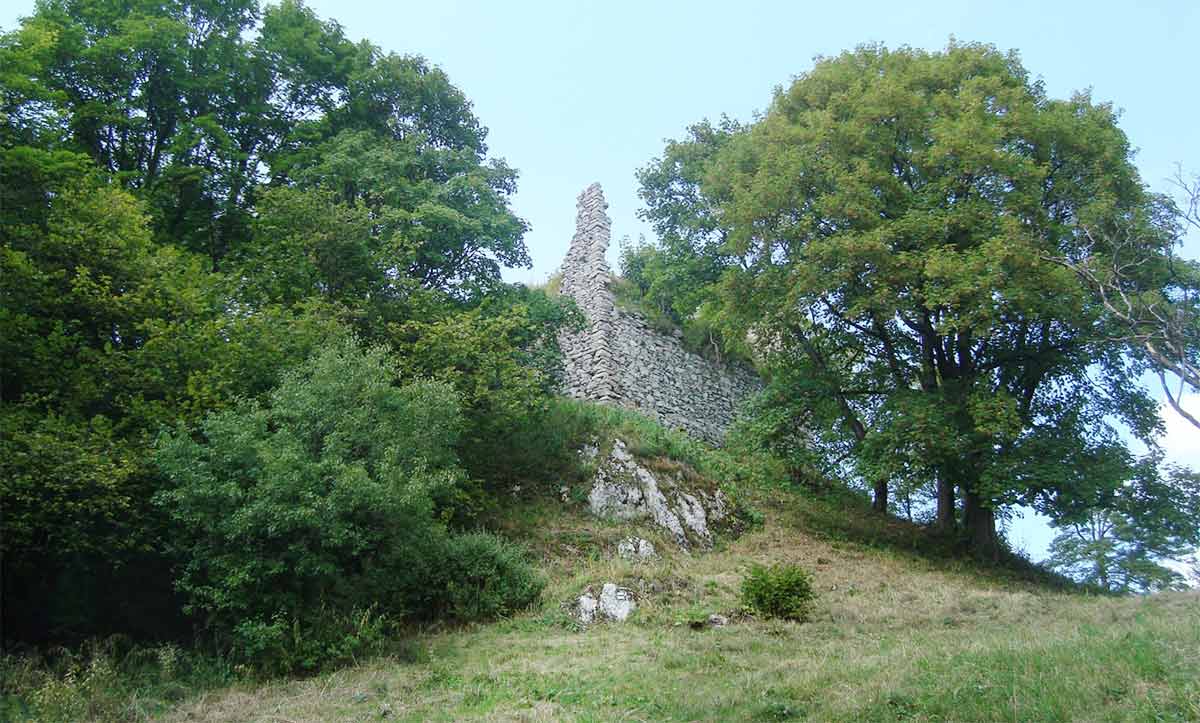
column 106, row 680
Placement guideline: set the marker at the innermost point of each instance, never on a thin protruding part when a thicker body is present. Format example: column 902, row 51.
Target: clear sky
column 576, row 92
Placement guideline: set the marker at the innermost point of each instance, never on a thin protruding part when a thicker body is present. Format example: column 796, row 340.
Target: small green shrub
column 779, row 591
column 486, row 577
column 325, row 638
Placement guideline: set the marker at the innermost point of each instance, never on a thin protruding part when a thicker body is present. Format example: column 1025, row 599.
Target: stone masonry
column 620, row 359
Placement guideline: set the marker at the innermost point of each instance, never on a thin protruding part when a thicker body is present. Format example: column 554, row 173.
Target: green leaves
column 311, row 497
column 887, row 230
column 319, row 504
column 192, row 203
column 439, row 216
column 1149, row 516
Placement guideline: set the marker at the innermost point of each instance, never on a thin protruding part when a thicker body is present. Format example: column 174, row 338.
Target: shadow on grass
column 845, row 517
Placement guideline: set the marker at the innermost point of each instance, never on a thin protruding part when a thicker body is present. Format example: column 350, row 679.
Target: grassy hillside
column 902, row 630
column 896, row 636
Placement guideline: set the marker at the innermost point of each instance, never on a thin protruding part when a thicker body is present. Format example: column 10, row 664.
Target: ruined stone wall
column 620, row 359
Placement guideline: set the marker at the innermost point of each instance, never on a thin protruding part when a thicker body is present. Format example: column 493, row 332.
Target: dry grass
column 894, row 637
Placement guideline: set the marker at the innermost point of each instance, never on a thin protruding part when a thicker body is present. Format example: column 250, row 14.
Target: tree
column 1119, row 543
column 166, row 97
column 885, row 227
column 502, row 357
column 194, row 196
column 185, row 106
column 105, row 336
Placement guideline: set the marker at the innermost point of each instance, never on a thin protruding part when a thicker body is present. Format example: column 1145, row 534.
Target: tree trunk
column 945, row 504
column 880, row 503
column 980, row 522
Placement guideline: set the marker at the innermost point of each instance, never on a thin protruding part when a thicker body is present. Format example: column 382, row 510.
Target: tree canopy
column 884, row 236
column 197, row 197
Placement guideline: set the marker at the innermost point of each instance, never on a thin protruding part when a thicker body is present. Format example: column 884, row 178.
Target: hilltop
column 278, row 441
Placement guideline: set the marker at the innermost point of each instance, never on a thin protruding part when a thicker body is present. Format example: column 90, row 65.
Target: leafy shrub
column 779, row 591
column 327, row 638
column 503, row 359
column 313, row 507
column 486, row 577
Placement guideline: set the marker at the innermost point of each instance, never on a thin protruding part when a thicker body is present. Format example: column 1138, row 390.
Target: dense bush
column 486, row 577
column 323, row 638
column 779, row 591
column 318, row 500
column 503, row 359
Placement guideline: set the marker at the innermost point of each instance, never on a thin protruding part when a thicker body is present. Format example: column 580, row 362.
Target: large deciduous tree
column 195, row 105
column 885, row 231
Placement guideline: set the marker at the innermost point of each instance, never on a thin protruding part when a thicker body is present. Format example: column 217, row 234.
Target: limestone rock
column 624, row 489
column 614, row 603
column 586, row 608
column 636, row 548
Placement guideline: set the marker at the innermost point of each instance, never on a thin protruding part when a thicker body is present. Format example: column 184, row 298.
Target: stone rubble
column 620, row 359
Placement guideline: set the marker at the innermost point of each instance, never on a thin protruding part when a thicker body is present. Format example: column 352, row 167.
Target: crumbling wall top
column 585, row 271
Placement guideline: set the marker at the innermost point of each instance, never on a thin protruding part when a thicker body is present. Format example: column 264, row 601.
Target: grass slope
column 897, row 635
column 903, row 630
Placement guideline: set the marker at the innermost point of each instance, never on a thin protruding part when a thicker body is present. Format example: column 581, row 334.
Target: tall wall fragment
column 590, row 355
column 620, row 359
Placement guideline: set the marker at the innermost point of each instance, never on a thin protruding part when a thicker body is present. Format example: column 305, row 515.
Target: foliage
column 196, row 196
column 672, row 289
column 485, row 577
column 305, row 244
column 778, row 423
column 883, row 232
column 193, row 106
column 323, row 638
column 779, row 591
column 439, row 214
column 306, row 524
column 104, row 680
column 503, row 358
column 1151, row 297
column 1120, row 542
column 319, row 500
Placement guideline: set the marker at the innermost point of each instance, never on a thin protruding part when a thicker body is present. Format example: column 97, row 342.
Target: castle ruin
column 618, row 358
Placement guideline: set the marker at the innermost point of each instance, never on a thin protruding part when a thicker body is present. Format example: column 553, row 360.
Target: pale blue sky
column 580, row 92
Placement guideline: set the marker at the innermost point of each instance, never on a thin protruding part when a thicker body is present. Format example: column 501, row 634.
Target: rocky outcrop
column 625, row 489
column 620, row 359
column 637, row 549
column 613, row 603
